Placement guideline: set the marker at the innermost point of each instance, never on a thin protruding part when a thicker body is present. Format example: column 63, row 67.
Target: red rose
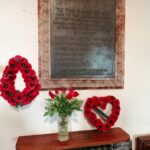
column 71, row 90
column 75, row 94
column 72, row 93
column 63, row 90
column 69, row 96
column 56, row 91
column 51, row 95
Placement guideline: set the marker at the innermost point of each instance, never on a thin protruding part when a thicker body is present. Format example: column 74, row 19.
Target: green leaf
column 46, row 113
column 61, row 105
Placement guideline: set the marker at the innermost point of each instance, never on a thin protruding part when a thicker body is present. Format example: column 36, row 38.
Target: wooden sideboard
column 115, row 137
column 143, row 142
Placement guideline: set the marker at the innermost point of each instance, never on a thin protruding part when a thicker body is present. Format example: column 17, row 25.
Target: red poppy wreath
column 94, row 112
column 7, row 83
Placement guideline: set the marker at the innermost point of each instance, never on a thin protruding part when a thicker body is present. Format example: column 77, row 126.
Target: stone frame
column 83, row 83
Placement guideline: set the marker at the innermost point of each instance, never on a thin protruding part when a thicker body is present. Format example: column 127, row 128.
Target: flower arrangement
column 8, row 91
column 94, row 112
column 62, row 102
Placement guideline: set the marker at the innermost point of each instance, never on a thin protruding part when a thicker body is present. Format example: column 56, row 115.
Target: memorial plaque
column 81, row 43
column 83, row 38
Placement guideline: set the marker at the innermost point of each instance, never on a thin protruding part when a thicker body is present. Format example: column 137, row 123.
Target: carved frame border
column 44, row 53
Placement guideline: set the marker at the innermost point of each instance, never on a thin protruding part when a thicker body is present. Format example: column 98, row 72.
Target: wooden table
column 77, row 140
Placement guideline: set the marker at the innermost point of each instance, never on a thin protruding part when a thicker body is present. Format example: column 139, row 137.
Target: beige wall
column 18, row 35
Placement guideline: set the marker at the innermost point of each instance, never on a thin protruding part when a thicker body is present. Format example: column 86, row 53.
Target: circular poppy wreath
column 7, row 83
column 94, row 112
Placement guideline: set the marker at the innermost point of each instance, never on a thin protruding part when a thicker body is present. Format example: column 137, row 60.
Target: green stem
column 102, row 113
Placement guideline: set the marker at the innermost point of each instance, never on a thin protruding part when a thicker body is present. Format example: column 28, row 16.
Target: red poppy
column 116, row 108
column 95, row 98
column 18, row 58
column 19, row 97
column 33, row 94
column 23, row 60
column 114, row 117
column 87, row 112
column 8, row 72
column 98, row 123
column 12, row 102
column 25, row 72
column 87, row 106
column 32, row 84
column 24, row 64
column 116, row 102
column 91, row 102
column 111, row 121
column 5, row 94
column 92, row 116
column 27, row 101
column 5, row 85
column 13, row 65
column 38, row 87
column 107, row 127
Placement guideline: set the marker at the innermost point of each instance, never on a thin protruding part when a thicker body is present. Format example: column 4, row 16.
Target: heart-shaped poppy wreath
column 94, row 112
column 7, row 83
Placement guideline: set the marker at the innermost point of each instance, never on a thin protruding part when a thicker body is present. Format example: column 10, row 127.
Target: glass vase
column 63, row 133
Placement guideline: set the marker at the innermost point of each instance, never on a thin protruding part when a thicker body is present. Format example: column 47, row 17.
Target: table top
column 77, row 139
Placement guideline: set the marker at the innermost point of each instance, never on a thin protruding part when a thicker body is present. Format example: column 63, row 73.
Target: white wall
column 19, row 35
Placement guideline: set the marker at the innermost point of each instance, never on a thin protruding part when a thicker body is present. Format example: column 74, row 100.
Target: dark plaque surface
column 83, row 38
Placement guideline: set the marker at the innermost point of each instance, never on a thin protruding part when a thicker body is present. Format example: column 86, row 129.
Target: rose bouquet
column 62, row 102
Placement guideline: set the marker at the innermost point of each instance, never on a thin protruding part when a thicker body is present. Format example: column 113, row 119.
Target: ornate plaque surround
column 47, row 82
